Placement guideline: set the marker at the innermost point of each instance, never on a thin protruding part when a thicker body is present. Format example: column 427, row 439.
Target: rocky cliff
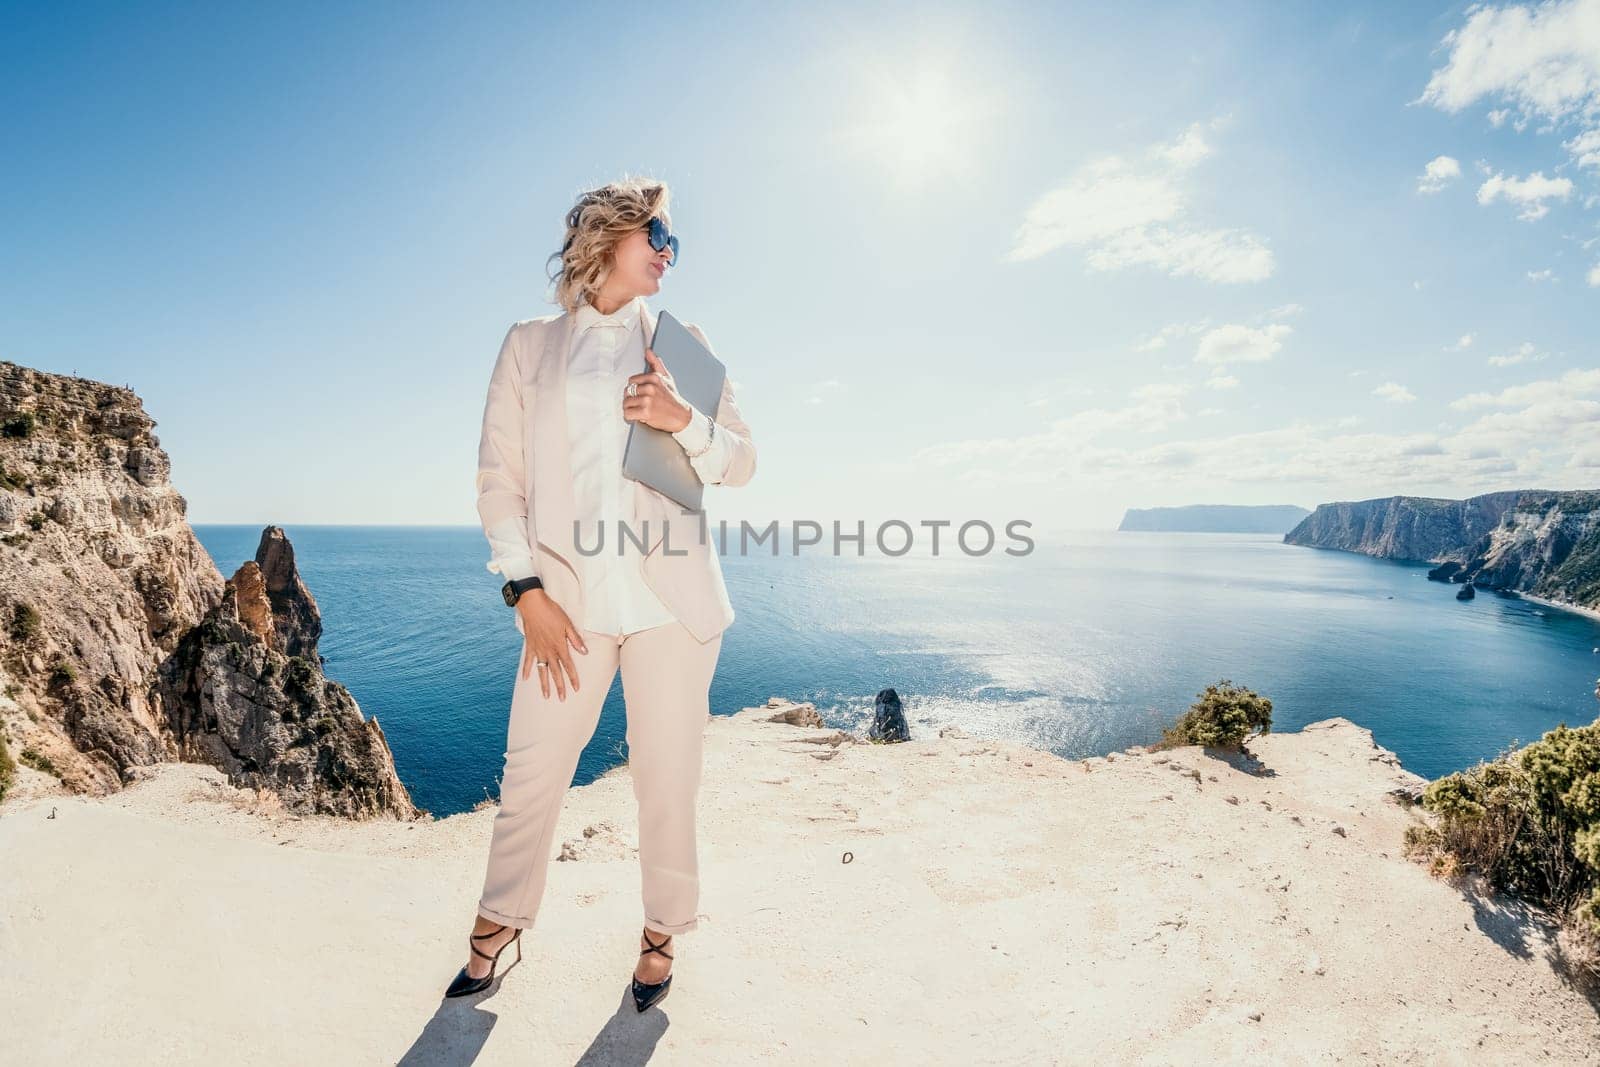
column 1548, row 544
column 121, row 645
column 1543, row 542
column 1403, row 527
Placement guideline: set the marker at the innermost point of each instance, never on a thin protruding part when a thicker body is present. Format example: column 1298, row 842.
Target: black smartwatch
column 514, row 589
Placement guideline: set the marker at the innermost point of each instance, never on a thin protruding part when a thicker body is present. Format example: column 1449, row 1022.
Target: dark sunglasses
column 660, row 238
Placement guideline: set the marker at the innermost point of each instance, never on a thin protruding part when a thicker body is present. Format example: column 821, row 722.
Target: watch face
column 509, row 594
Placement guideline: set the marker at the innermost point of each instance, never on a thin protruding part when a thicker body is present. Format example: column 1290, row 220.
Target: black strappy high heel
column 464, row 983
column 645, row 993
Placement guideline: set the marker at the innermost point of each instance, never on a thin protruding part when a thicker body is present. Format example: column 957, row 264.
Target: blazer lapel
column 551, row 498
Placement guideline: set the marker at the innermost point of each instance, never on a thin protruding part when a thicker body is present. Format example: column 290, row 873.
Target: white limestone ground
column 1000, row 905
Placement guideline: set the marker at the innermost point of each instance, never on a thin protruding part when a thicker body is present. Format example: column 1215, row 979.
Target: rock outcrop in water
column 120, row 643
column 1543, row 542
column 246, row 693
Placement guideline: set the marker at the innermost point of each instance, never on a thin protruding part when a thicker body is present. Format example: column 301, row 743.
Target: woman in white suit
column 565, row 528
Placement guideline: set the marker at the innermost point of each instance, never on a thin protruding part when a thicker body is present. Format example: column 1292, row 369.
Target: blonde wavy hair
column 595, row 223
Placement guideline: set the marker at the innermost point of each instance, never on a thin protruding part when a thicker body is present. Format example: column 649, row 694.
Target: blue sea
column 1090, row 643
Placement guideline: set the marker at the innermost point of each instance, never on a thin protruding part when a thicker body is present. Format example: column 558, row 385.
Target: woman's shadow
column 460, row 1029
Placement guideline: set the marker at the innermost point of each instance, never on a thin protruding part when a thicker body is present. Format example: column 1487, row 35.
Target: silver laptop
column 652, row 456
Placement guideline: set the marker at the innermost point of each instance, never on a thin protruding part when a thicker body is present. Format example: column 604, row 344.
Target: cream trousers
column 666, row 686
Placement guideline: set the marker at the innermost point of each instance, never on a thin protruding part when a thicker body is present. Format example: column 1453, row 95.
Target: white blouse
column 606, row 350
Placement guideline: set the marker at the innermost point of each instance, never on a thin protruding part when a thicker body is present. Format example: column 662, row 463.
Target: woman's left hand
column 657, row 403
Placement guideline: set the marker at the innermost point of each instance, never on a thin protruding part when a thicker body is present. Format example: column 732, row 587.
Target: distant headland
column 1214, row 518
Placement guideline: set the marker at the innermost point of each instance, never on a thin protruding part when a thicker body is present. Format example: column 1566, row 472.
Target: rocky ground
column 945, row 900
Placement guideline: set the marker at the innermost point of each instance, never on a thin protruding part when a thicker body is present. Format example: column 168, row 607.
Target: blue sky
column 962, row 262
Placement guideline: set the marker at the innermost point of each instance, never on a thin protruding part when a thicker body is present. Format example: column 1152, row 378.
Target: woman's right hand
column 547, row 632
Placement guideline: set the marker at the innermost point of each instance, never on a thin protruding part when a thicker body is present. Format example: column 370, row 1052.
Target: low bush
column 24, row 621
column 1529, row 822
column 19, row 425
column 1224, row 717
column 8, row 768
column 39, row 762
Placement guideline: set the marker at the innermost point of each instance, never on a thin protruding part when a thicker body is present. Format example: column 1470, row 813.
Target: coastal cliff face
column 1548, row 544
column 1404, row 527
column 1542, row 542
column 117, row 631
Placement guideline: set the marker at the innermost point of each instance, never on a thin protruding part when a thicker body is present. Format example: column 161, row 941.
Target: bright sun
column 924, row 124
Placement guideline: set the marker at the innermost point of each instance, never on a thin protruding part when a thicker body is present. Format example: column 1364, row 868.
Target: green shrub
column 1529, row 822
column 8, row 768
column 36, row 520
column 9, row 480
column 1224, row 717
column 19, row 425
column 211, row 632
column 39, row 762
column 24, row 622
column 300, row 681
column 62, row 673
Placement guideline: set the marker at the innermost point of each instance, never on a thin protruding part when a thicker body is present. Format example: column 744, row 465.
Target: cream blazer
column 524, row 472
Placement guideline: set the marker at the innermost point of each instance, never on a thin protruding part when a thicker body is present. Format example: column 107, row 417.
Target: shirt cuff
column 513, row 567
column 508, row 544
column 693, row 437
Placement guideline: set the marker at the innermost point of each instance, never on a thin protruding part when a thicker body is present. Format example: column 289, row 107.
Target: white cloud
column 1222, row 381
column 1593, row 277
column 1462, row 345
column 1178, row 330
column 1214, row 255
column 1570, row 386
column 1530, row 192
column 1523, row 353
column 1394, row 392
column 1052, row 393
column 1190, row 148
column 1171, row 332
column 1151, row 409
column 1542, row 60
column 1241, row 344
column 1546, row 275
column 1135, row 213
column 1585, row 148
column 1440, row 171
column 1540, row 434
